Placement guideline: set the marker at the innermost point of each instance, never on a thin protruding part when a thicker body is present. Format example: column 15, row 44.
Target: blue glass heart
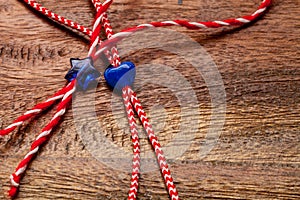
column 119, row 77
column 83, row 71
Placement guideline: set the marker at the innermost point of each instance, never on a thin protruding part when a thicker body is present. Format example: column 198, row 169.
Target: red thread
column 189, row 25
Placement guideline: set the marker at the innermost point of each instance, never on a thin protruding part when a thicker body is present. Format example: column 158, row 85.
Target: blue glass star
column 84, row 71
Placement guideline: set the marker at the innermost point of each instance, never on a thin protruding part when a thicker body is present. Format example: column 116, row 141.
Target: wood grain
column 257, row 154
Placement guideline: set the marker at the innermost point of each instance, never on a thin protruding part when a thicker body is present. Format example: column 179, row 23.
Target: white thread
column 97, row 22
column 43, row 134
column 259, row 11
column 55, row 98
column 31, row 152
column 32, row 111
column 59, row 113
column 13, row 181
column 70, row 92
column 93, row 46
column 243, row 20
column 15, row 124
column 198, row 24
column 170, row 22
column 146, row 25
column 21, row 170
column 222, row 23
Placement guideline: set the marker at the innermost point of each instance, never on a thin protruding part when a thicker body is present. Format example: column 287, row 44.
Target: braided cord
column 48, row 13
column 155, row 144
column 95, row 38
column 189, row 25
column 109, row 33
column 44, row 136
column 114, row 59
column 114, row 38
column 38, row 108
column 134, row 183
column 131, row 102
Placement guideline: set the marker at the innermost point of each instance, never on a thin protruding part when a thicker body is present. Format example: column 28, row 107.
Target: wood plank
column 257, row 153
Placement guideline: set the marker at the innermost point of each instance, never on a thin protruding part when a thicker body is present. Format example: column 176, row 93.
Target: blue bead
column 83, row 71
column 119, row 77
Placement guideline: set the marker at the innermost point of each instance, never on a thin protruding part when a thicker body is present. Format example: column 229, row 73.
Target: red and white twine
column 131, row 98
column 136, row 146
column 66, row 94
column 189, row 25
column 34, row 111
column 131, row 102
column 41, row 138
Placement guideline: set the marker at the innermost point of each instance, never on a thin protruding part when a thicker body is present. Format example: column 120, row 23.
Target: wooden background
column 257, row 154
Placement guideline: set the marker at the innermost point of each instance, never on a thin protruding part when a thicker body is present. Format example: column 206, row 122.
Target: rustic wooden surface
column 257, row 154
